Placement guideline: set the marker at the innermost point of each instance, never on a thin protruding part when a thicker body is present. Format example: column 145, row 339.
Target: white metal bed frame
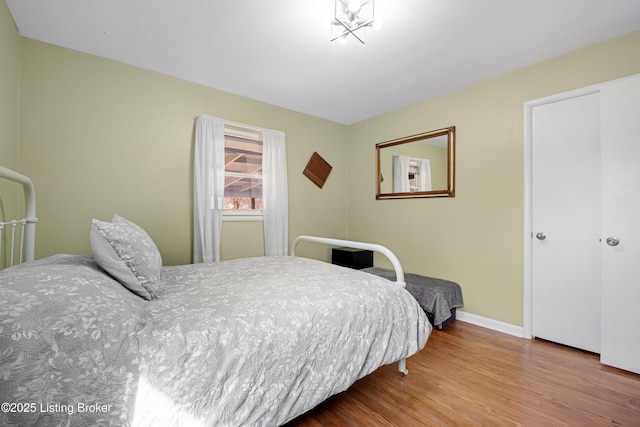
column 27, row 224
column 402, row 363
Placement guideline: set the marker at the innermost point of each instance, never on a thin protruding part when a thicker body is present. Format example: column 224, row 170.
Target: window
column 243, row 172
column 228, row 162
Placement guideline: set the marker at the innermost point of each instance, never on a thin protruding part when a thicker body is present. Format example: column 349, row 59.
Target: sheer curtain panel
column 274, row 192
column 400, row 174
column 425, row 174
column 208, row 188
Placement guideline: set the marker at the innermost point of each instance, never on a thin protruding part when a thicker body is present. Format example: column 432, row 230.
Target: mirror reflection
column 417, row 166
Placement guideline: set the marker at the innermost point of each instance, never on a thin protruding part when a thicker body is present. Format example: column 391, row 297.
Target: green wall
column 10, row 200
column 476, row 238
column 99, row 137
column 9, row 90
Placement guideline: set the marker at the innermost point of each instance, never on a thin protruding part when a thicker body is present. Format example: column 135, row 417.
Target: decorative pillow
column 127, row 252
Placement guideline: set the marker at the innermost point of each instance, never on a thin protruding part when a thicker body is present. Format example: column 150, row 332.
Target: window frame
column 241, row 130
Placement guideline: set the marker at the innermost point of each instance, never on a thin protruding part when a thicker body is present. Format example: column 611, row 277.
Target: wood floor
column 467, row 375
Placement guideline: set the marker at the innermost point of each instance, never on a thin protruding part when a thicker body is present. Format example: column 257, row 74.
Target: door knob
column 612, row 241
column 541, row 236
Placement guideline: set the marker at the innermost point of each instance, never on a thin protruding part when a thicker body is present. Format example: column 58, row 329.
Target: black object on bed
column 438, row 298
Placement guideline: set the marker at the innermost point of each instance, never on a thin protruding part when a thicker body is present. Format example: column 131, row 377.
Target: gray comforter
column 437, row 297
column 256, row 341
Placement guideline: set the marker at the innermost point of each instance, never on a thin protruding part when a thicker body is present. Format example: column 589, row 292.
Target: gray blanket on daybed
column 436, row 296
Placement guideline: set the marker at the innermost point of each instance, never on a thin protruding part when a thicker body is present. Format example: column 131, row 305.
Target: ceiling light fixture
column 351, row 17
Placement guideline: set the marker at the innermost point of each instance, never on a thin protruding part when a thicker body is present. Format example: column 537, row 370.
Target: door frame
column 527, row 307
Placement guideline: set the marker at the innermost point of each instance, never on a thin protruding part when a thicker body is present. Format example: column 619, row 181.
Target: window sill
column 239, row 216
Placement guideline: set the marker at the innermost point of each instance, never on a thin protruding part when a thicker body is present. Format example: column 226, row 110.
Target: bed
column 254, row 341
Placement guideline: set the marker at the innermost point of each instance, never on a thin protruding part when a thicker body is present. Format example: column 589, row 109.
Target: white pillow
column 127, row 253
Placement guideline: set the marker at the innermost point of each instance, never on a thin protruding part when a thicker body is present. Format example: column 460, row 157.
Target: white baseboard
column 485, row 322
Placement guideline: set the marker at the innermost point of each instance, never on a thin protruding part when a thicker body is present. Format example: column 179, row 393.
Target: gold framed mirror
column 420, row 165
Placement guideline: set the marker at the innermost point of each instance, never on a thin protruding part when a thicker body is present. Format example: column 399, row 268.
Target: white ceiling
column 278, row 51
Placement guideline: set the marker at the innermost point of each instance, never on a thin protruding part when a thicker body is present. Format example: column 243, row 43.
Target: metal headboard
column 402, row 363
column 26, row 225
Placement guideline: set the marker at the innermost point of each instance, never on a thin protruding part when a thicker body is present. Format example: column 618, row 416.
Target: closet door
column 566, row 222
column 621, row 221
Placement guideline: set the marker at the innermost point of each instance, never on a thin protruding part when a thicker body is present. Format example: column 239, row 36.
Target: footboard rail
column 27, row 224
column 402, row 363
column 357, row 245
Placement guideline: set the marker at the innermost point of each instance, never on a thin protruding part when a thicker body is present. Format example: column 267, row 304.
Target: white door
column 621, row 220
column 566, row 222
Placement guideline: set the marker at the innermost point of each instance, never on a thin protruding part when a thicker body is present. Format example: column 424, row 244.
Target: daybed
column 254, row 341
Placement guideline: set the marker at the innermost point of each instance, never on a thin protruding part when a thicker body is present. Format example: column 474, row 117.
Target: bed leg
column 402, row 366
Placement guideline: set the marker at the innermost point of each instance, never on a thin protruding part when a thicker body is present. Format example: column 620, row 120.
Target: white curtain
column 208, row 188
column 425, row 174
column 274, row 193
column 400, row 174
